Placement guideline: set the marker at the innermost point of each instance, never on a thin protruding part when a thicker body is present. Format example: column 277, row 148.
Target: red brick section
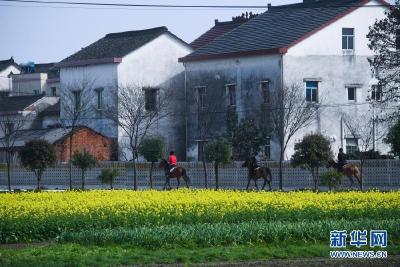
column 85, row 139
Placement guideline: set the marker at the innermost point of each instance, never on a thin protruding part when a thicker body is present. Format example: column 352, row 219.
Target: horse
column 177, row 172
column 350, row 170
column 257, row 173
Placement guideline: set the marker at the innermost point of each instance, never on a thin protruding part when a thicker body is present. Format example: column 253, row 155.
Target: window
column 53, row 91
column 99, row 98
column 36, row 92
column 351, row 145
column 376, row 92
column 267, row 148
column 311, row 91
column 231, row 94
column 9, row 129
column 348, row 38
column 351, row 94
column 202, row 96
column 265, row 91
column 77, row 99
column 150, row 95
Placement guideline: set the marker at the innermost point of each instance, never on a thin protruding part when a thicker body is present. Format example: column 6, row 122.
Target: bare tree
column 364, row 129
column 76, row 104
column 136, row 115
column 290, row 113
column 11, row 126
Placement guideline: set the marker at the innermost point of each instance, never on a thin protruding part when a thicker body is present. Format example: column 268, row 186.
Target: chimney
column 269, row 5
column 216, row 21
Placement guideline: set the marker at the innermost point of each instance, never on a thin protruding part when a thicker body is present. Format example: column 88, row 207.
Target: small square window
column 99, row 98
column 201, row 90
column 351, row 94
column 351, row 145
column 77, row 100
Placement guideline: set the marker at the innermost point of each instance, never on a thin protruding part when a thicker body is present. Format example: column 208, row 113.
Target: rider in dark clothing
column 341, row 160
column 254, row 165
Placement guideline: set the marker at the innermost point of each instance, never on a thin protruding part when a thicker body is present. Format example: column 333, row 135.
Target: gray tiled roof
column 8, row 62
column 116, row 45
column 17, row 103
column 279, row 27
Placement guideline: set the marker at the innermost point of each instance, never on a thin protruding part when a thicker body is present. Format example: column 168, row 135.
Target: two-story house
column 144, row 58
column 319, row 45
column 7, row 68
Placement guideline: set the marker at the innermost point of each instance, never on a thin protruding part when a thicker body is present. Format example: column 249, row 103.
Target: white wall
column 328, row 41
column 153, row 65
column 95, row 76
column 320, row 57
column 5, row 81
column 27, row 84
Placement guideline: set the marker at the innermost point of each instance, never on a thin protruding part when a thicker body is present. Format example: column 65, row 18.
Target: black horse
column 255, row 173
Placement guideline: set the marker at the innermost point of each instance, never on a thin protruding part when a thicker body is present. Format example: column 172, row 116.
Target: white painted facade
column 152, row 65
column 5, row 78
column 319, row 57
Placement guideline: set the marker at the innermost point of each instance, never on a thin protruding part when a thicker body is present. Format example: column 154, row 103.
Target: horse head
column 330, row 163
column 162, row 163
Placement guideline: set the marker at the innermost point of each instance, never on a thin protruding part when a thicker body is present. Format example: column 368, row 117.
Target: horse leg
column 265, row 182
column 166, row 182
column 169, row 185
column 255, row 183
column 351, row 181
column 179, row 181
column 248, row 184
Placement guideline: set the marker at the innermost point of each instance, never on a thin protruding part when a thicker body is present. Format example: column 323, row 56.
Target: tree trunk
column 83, row 180
column 70, row 160
column 151, row 175
column 216, row 175
column 111, row 184
column 9, row 175
column 205, row 173
column 280, row 171
column 134, row 171
column 361, row 174
column 39, row 178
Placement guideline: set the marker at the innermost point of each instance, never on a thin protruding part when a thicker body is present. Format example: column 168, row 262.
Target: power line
column 83, row 4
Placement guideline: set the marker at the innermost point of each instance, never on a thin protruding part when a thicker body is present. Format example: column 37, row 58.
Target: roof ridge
column 129, row 33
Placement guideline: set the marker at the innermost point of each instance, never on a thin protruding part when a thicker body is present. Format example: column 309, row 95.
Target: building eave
column 87, row 62
column 234, row 54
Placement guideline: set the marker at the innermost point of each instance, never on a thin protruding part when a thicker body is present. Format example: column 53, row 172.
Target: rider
column 172, row 160
column 255, row 163
column 341, row 160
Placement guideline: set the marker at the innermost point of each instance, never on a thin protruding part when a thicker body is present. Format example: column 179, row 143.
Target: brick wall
column 85, row 139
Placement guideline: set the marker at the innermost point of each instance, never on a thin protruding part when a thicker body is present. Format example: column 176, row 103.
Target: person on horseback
column 341, row 160
column 255, row 163
column 172, row 160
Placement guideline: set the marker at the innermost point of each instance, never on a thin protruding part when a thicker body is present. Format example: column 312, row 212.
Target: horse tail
column 185, row 176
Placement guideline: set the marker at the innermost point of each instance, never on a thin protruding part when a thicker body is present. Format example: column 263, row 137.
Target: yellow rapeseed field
column 48, row 213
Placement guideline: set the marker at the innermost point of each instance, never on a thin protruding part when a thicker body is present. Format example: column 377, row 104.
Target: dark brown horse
column 177, row 172
column 257, row 173
column 350, row 170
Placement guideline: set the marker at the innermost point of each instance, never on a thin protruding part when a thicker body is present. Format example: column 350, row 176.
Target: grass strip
column 222, row 234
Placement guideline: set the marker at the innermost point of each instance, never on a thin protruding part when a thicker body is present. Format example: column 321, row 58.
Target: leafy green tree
column 332, row 179
column 220, row 152
column 311, row 153
column 393, row 138
column 84, row 161
column 108, row 176
column 384, row 40
column 246, row 140
column 37, row 156
column 152, row 150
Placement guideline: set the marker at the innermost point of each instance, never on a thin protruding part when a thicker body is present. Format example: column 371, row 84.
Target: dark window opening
column 351, row 94
column 99, row 98
column 267, row 148
column 351, row 145
column 77, row 99
column 311, row 91
column 150, row 99
column 232, row 94
column 202, row 96
column 265, row 92
column 53, row 91
column 348, row 38
column 376, row 92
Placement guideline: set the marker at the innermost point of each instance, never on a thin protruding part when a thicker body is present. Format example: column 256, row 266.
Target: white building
column 7, row 68
column 145, row 58
column 321, row 45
